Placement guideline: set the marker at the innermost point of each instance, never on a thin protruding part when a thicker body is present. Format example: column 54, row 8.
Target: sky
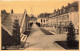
column 33, row 7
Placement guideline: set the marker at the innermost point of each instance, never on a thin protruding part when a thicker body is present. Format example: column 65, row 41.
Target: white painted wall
column 74, row 17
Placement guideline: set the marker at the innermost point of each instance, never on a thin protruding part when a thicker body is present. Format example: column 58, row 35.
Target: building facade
column 43, row 18
column 62, row 17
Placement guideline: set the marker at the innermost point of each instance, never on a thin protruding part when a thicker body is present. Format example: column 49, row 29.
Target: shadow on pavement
column 27, row 33
column 46, row 32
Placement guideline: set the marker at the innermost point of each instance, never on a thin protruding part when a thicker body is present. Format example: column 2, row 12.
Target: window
column 72, row 9
column 62, row 17
column 60, row 11
column 67, row 17
column 63, row 10
column 44, row 20
column 41, row 20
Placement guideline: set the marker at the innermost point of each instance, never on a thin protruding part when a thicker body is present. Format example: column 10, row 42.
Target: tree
column 16, row 32
column 71, row 35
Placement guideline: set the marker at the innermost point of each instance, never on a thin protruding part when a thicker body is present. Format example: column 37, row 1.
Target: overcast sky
column 33, row 7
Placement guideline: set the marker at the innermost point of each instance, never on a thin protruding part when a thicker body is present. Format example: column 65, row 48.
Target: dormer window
column 63, row 10
column 41, row 20
column 60, row 11
column 44, row 20
column 62, row 7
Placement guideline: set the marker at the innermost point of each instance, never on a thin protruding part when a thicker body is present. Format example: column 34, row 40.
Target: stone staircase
column 9, row 21
column 8, row 24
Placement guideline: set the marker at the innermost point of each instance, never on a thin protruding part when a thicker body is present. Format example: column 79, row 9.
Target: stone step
column 9, row 28
column 7, row 23
column 9, row 31
column 8, row 18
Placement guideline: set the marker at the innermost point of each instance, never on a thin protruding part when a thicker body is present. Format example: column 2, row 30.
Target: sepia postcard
column 39, row 25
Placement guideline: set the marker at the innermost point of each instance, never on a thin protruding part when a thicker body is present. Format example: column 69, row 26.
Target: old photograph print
column 40, row 25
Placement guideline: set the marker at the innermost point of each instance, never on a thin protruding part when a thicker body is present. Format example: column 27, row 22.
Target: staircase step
column 11, row 28
column 8, row 28
column 7, row 23
column 10, row 31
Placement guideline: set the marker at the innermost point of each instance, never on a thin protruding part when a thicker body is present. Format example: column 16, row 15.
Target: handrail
column 22, row 18
column 22, row 23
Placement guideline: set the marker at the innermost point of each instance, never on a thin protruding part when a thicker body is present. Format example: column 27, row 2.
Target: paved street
column 41, row 41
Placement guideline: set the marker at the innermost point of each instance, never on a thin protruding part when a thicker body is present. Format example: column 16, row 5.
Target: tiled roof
column 44, row 15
